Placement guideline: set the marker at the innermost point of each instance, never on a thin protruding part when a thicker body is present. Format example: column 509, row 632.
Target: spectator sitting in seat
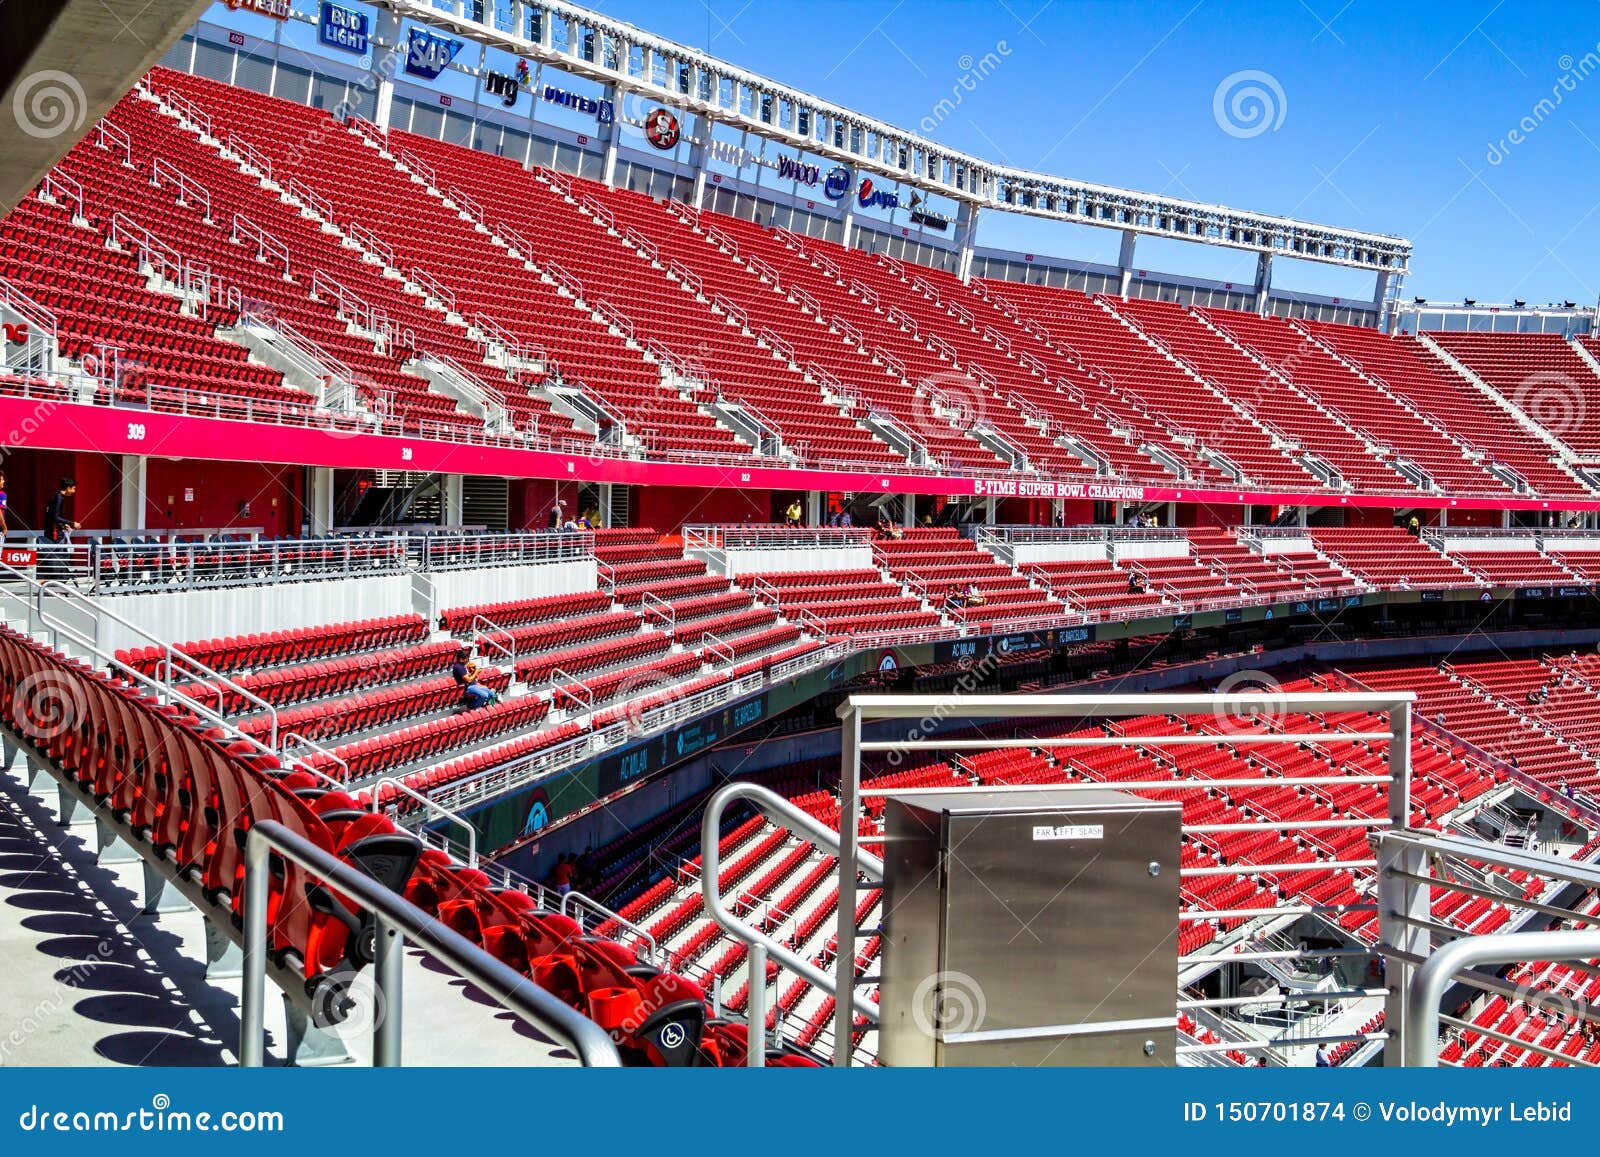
column 975, row 597
column 954, row 598
column 465, row 673
column 1135, row 583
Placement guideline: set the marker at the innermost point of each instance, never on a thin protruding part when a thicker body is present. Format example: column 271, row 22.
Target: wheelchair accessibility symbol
column 672, row 1036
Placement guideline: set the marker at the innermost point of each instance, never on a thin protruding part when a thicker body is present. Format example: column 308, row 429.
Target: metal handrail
column 780, row 811
column 396, row 920
column 400, row 785
column 195, row 668
column 584, row 902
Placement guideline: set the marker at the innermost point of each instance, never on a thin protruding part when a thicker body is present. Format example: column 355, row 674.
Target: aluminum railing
column 783, row 813
column 396, row 923
column 914, row 711
column 116, row 567
column 766, row 536
column 1411, row 864
column 171, row 566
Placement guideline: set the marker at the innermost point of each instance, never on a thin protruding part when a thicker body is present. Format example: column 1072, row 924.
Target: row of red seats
column 280, row 685
column 367, row 757
column 325, row 719
column 239, row 652
column 518, row 612
column 193, row 795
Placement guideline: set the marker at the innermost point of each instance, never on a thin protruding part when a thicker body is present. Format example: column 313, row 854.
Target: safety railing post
column 1398, row 892
column 389, row 951
column 756, row 1008
column 849, row 828
column 253, row 985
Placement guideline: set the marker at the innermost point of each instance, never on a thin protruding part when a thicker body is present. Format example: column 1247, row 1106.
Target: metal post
column 389, row 950
column 845, row 960
column 253, row 987
column 756, row 1008
column 1398, row 895
column 1419, row 1034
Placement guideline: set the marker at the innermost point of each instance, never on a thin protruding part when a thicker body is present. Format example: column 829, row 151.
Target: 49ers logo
column 661, row 129
column 17, row 332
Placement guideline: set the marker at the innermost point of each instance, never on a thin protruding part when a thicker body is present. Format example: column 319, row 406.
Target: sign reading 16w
column 427, row 55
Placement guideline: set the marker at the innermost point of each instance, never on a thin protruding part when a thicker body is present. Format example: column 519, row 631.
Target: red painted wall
column 1196, row 514
column 273, row 493
column 529, row 501
column 668, row 508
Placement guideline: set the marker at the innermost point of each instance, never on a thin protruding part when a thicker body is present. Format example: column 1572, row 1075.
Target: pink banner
column 66, row 426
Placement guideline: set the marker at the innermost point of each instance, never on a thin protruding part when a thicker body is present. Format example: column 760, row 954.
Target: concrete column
column 700, row 156
column 135, row 472
column 966, row 237
column 847, row 212
column 814, row 515
column 1380, row 298
column 990, row 509
column 610, row 134
column 1125, row 260
column 319, row 500
column 451, row 496
column 1263, row 280
column 386, row 30
column 908, row 510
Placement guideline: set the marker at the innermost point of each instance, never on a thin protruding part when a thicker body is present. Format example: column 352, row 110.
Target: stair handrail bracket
column 397, row 921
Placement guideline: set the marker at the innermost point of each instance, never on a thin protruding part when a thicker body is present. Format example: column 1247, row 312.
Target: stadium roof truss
column 635, row 62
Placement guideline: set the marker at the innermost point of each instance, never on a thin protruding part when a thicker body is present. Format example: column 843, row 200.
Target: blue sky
column 1391, row 117
column 1389, row 112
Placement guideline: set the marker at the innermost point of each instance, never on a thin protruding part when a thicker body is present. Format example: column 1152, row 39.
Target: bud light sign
column 428, row 55
column 343, row 28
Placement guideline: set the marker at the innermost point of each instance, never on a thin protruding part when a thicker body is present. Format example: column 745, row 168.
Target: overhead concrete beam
column 63, row 65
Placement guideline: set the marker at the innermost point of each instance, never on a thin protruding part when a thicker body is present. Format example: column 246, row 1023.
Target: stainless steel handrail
column 407, row 790
column 1419, row 1037
column 397, row 919
column 169, row 654
column 780, row 811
